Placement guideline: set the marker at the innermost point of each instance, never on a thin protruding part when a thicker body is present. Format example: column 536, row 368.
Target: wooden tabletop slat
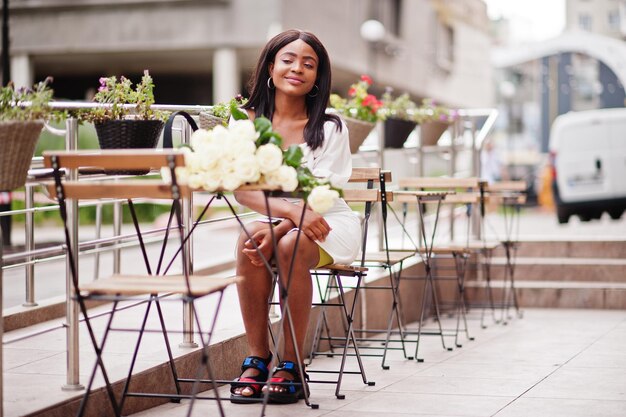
column 409, row 196
column 502, row 186
column 115, row 158
column 439, row 182
column 361, row 196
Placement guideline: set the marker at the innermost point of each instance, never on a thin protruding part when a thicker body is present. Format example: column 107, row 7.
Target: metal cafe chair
column 336, row 275
column 151, row 288
column 510, row 195
column 385, row 259
column 455, row 191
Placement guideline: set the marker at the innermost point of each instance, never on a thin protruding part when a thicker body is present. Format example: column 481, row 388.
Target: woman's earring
column 317, row 91
column 270, row 84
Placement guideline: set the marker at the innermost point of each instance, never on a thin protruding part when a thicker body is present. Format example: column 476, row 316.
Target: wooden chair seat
column 394, row 256
column 344, row 268
column 149, row 284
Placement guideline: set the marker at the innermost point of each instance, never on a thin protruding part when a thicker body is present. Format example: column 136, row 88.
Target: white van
column 588, row 154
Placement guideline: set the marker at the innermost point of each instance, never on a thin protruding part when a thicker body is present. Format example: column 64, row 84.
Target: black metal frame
column 348, row 340
column 152, row 298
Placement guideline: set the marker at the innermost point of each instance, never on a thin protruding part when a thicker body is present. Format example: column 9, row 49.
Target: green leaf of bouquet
column 293, row 156
column 237, row 113
column 262, row 125
column 270, row 137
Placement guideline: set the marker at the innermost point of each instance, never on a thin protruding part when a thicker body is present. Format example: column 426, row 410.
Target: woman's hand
column 263, row 249
column 314, row 226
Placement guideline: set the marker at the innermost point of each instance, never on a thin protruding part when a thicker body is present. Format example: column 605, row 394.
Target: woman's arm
column 314, row 226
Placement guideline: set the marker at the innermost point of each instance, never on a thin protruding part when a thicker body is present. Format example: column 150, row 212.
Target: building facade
column 203, row 51
column 602, row 17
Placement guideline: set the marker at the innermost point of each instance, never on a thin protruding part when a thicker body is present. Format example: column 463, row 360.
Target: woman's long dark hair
column 262, row 98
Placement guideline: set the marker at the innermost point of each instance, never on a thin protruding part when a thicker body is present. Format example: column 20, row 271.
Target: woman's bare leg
column 253, row 291
column 300, row 291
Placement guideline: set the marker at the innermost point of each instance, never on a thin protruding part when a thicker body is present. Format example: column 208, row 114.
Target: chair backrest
column 507, row 192
column 466, row 190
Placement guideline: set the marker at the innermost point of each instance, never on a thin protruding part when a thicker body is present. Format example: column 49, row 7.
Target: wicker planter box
column 17, row 146
column 397, row 131
column 430, row 132
column 358, row 131
column 207, row 121
column 128, row 134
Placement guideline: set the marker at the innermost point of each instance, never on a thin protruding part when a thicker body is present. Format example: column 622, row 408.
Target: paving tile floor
column 553, row 363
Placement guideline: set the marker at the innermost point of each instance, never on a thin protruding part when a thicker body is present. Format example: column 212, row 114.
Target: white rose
column 166, row 175
column 269, row 158
column 285, row 177
column 230, row 180
column 243, row 129
column 220, row 134
column 322, row 198
column 211, row 180
column 237, row 147
column 246, row 168
column 208, row 156
column 195, row 181
column 199, row 137
column 193, row 161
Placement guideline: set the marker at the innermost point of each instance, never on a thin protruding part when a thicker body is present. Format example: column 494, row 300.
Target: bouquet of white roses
column 246, row 152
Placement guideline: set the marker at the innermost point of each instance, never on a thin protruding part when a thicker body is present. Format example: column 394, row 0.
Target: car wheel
column 595, row 214
column 616, row 214
column 562, row 214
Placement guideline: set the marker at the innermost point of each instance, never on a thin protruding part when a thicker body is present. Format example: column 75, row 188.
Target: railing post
column 187, row 213
column 452, row 170
column 117, row 230
column 29, row 241
column 475, row 219
column 1, row 331
column 73, row 378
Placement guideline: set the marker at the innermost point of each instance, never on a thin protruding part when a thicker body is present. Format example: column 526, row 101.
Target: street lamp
column 373, row 32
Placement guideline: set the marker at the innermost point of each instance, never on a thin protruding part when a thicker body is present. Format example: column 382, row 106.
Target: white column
column 22, row 71
column 225, row 74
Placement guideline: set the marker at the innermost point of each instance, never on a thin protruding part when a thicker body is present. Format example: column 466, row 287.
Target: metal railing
column 31, row 256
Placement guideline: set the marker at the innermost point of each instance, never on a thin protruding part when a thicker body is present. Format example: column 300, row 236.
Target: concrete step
column 563, row 269
column 585, row 248
column 553, row 294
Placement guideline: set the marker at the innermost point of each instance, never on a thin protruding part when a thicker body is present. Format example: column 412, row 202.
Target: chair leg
column 205, row 357
column 99, row 362
column 349, row 336
column 487, row 254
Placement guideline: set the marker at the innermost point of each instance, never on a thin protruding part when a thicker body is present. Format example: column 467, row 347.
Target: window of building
column 445, row 46
column 614, row 20
column 389, row 13
column 584, row 21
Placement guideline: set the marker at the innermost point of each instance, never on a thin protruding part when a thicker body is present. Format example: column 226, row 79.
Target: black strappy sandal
column 254, row 362
column 293, row 388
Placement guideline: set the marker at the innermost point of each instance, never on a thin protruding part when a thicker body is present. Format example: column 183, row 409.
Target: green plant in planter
column 399, row 116
column 222, row 110
column 22, row 115
column 120, row 126
column 431, row 111
column 118, row 93
column 360, row 105
column 26, row 104
column 401, row 107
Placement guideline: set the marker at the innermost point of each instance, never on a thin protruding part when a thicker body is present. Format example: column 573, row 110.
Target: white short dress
column 333, row 160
